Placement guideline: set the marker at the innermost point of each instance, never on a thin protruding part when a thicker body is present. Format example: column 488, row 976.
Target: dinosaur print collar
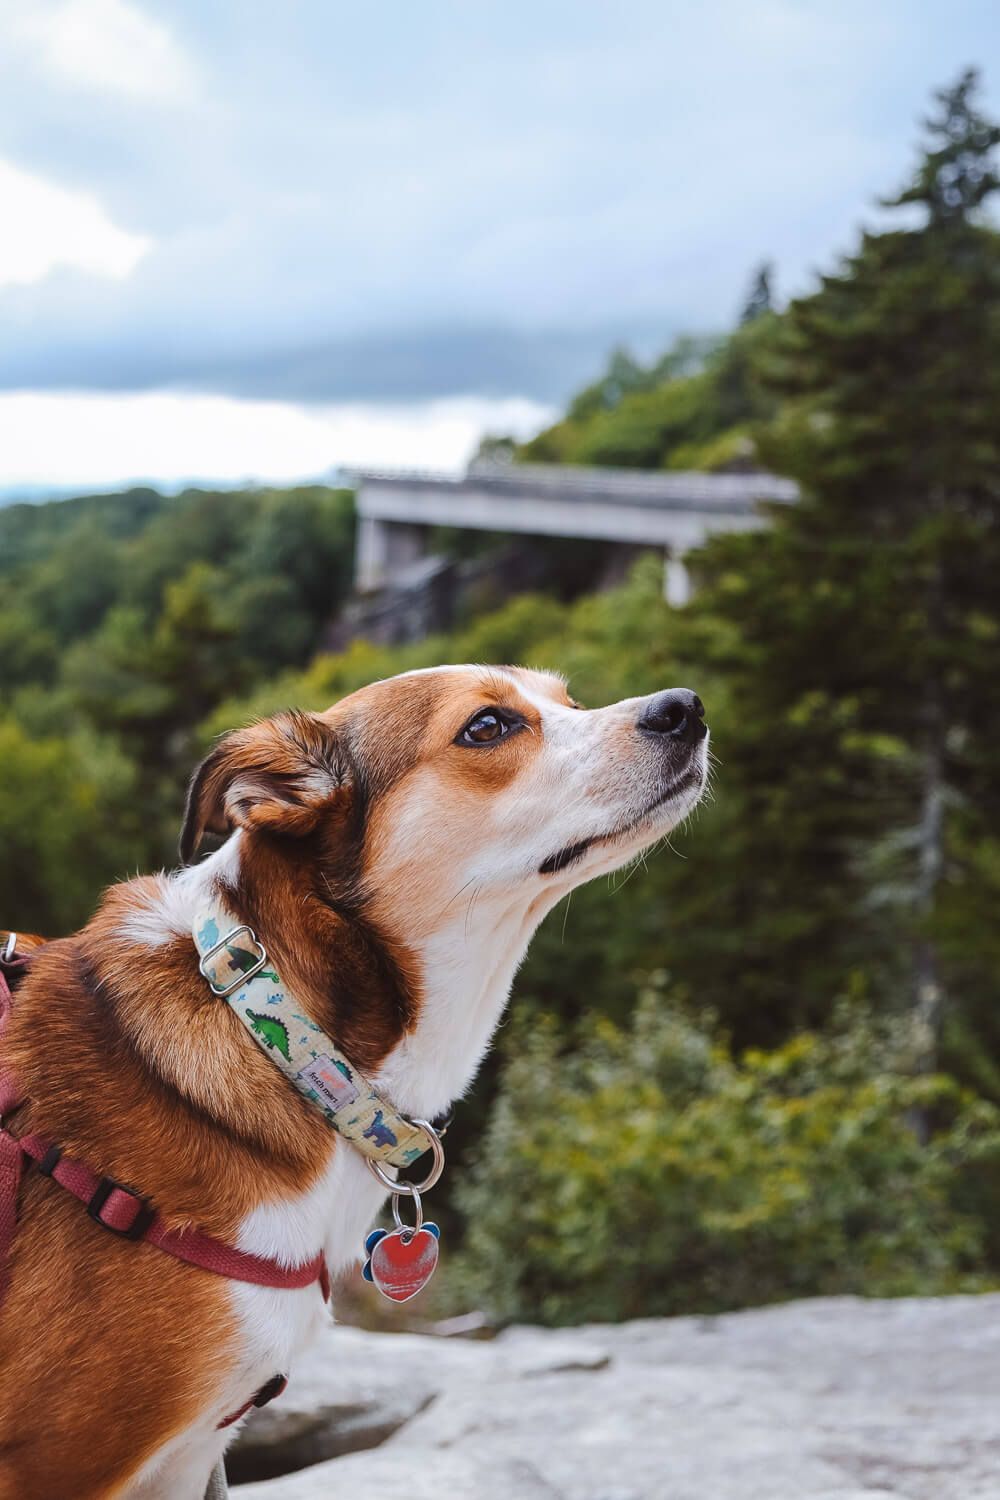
column 238, row 970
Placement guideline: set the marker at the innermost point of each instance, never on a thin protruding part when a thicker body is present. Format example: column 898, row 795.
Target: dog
column 395, row 854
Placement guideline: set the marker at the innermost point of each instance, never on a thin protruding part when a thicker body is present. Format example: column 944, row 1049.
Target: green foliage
column 125, row 620
column 65, row 826
column 29, row 533
column 648, row 1170
column 691, row 409
column 956, row 174
column 869, row 615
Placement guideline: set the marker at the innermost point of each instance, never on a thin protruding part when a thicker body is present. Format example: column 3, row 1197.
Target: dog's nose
column 679, row 714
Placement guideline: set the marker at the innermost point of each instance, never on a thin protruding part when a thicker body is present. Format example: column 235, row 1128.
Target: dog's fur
column 396, row 874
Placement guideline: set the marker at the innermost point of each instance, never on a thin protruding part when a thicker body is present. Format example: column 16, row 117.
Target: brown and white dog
column 395, row 854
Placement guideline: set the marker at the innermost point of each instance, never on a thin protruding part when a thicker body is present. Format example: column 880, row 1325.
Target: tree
column 623, row 376
column 495, row 448
column 868, row 616
column 760, row 299
column 689, row 410
column 956, row 174
column 69, row 823
column 127, row 618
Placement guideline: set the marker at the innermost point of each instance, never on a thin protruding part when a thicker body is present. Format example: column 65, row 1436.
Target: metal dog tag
column 402, row 1261
column 401, row 1264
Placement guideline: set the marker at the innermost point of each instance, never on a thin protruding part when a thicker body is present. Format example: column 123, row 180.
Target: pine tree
column 760, row 299
column 956, row 175
column 864, row 625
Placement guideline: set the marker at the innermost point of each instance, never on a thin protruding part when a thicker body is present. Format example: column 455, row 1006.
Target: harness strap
column 269, row 1392
column 122, row 1210
column 126, row 1213
column 11, row 1162
column 10, row 1094
column 11, row 1156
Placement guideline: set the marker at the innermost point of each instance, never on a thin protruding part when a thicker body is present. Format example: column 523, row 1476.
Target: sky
column 258, row 240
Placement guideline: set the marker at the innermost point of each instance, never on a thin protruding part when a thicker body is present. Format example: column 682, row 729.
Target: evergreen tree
column 864, row 624
column 760, row 299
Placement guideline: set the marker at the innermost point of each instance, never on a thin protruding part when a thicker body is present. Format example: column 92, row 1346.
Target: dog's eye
column 484, row 729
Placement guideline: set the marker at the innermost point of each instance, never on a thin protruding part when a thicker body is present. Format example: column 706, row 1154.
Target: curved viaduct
column 670, row 511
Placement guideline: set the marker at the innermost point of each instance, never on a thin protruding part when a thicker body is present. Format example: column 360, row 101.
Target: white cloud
column 108, row 45
column 65, row 439
column 345, row 201
column 46, row 226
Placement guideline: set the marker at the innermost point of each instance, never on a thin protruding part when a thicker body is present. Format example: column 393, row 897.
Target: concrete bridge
column 674, row 512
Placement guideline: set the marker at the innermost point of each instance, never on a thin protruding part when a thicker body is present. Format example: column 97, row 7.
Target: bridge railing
column 664, row 490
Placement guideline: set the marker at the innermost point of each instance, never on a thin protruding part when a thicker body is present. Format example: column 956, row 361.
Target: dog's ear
column 279, row 774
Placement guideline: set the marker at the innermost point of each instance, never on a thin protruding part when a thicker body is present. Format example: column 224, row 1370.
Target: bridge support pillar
column 383, row 549
column 676, row 580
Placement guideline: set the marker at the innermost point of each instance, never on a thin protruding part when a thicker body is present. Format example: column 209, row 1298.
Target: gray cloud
column 397, row 201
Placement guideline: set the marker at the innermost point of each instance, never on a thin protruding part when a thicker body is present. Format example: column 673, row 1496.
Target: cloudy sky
column 256, row 239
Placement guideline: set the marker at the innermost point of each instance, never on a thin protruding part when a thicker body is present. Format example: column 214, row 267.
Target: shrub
column 652, row 1172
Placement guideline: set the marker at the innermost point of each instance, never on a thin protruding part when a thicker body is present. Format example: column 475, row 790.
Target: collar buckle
column 244, row 970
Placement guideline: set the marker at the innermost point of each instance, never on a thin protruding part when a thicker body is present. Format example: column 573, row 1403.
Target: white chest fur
column 467, row 981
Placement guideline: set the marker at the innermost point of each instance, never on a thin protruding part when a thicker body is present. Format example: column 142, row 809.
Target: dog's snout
column 679, row 714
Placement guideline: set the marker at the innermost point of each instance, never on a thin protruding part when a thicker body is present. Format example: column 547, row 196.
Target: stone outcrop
column 838, row 1399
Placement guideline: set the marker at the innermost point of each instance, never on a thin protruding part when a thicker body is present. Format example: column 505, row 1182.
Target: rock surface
column 837, row 1399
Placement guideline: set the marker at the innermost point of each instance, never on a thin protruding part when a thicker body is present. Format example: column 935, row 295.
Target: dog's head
column 462, row 778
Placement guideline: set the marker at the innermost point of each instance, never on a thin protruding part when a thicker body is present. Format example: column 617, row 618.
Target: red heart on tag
column 403, row 1262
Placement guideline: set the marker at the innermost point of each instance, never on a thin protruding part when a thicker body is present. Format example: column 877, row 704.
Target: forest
column 774, row 1044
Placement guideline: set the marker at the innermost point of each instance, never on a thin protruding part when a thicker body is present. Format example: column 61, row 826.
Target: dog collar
column 236, row 965
column 238, row 970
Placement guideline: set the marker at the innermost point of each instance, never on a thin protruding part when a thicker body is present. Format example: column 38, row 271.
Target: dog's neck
column 420, row 1048
column 467, row 967
column 415, row 1013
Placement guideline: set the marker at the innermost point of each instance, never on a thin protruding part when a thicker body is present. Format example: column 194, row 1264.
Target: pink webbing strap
column 125, row 1213
column 11, row 1160
column 10, row 1094
column 269, row 1392
column 119, row 1209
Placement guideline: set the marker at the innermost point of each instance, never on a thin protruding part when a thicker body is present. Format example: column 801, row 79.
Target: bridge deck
column 674, row 511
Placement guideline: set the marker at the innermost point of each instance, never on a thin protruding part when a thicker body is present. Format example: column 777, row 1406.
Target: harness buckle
column 243, row 973
column 271, row 1390
column 144, row 1217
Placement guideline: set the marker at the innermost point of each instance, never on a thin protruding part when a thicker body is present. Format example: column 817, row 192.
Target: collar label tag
column 331, row 1080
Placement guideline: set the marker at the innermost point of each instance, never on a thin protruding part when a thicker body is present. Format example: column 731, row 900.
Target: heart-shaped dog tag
column 402, row 1263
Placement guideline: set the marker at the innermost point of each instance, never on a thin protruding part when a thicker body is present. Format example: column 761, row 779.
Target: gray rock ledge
column 834, row 1399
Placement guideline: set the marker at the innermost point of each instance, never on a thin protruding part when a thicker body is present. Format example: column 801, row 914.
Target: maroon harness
column 122, row 1211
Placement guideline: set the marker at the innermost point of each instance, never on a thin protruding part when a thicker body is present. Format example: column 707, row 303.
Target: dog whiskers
column 469, row 909
column 569, row 899
column 449, row 904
